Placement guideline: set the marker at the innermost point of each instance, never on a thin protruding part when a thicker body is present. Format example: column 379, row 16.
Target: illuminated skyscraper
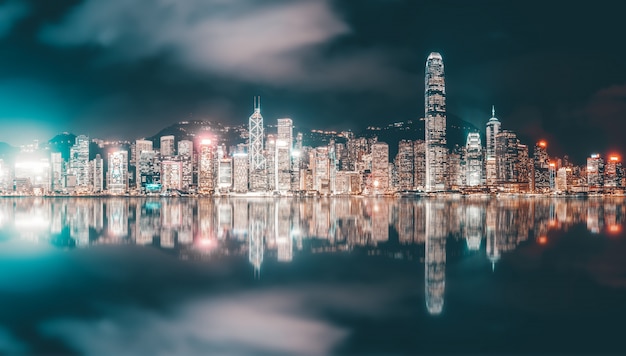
column 167, row 146
column 419, row 165
column 473, row 160
column 79, row 163
column 172, row 174
column 256, row 166
column 284, row 142
column 185, row 148
column 240, row 172
column 56, row 164
column 613, row 172
column 117, row 174
column 541, row 167
column 380, row 167
column 140, row 146
column 225, row 174
column 206, row 167
column 493, row 128
column 97, row 174
column 595, row 172
column 435, row 130
column 404, row 165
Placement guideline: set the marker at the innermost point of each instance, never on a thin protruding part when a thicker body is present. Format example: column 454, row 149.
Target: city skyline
column 344, row 65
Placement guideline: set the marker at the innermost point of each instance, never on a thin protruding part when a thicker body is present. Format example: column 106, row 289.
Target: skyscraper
column 167, row 146
column 493, row 128
column 473, row 160
column 206, row 167
column 435, row 130
column 256, row 166
column 79, row 162
column 117, row 175
column 284, row 142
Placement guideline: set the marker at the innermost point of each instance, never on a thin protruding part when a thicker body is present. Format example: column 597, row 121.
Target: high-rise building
column 97, row 174
column 56, row 165
column 117, row 174
column 206, row 167
column 141, row 146
column 167, row 146
column 79, row 163
column 404, row 165
column 595, row 172
column 185, row 148
column 493, row 128
column 511, row 159
column 380, row 167
column 435, row 129
column 284, row 143
column 240, row 172
column 541, row 168
column 225, row 174
column 149, row 172
column 270, row 162
column 320, row 169
column 256, row 167
column 171, row 174
column 613, row 172
column 419, row 165
column 473, row 160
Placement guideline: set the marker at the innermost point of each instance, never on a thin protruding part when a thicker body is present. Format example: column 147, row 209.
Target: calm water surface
column 311, row 276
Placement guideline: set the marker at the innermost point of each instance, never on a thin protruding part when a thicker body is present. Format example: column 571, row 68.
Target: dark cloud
column 10, row 13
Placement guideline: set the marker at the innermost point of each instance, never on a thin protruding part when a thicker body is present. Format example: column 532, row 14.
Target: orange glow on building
column 542, row 144
column 542, row 240
column 614, row 229
column 614, row 158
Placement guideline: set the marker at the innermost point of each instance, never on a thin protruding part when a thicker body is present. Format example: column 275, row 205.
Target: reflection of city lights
column 552, row 223
column 614, row 229
column 542, row 240
column 31, row 222
column 207, row 243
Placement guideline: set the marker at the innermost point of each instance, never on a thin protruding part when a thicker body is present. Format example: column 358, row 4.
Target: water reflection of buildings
column 278, row 229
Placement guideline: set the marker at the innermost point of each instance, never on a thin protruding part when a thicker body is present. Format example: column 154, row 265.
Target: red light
column 542, row 240
column 614, row 158
column 542, row 144
column 614, row 229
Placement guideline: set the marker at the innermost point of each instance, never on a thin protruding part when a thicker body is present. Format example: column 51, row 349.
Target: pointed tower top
column 493, row 111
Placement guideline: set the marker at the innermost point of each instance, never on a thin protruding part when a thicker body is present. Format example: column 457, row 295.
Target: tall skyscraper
column 206, row 167
column 256, row 166
column 284, row 143
column 435, row 130
column 79, row 163
column 473, row 160
column 167, row 146
column 141, row 146
column 380, row 167
column 117, row 174
column 493, row 128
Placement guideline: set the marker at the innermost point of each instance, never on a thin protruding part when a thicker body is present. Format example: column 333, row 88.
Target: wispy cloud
column 277, row 42
column 10, row 13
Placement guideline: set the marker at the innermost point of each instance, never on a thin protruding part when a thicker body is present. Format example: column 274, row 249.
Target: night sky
column 126, row 69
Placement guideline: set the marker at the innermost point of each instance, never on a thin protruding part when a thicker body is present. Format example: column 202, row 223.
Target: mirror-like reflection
column 109, row 275
column 282, row 228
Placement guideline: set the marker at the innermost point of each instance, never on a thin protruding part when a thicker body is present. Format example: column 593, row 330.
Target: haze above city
column 119, row 69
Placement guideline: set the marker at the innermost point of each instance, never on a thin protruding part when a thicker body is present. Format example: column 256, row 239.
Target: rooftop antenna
column 493, row 111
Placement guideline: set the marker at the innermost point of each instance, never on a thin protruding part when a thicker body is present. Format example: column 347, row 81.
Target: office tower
column 97, row 174
column 455, row 174
column 284, row 142
column 225, row 174
column 595, row 172
column 240, row 171
column 404, row 165
column 171, row 174
column 320, row 169
column 117, row 174
column 185, row 148
column 79, row 163
column 541, row 167
column 206, row 167
column 141, row 146
column 149, row 172
column 435, row 121
column 562, row 177
column 256, row 166
column 473, row 160
column 512, row 164
column 56, row 165
column 419, row 165
column 493, row 128
column 380, row 167
column 167, row 146
column 613, row 172
column 270, row 161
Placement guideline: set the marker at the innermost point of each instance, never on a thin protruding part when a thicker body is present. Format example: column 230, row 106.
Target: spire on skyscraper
column 493, row 111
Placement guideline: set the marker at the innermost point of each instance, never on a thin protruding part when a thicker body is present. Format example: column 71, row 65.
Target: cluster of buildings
column 279, row 163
